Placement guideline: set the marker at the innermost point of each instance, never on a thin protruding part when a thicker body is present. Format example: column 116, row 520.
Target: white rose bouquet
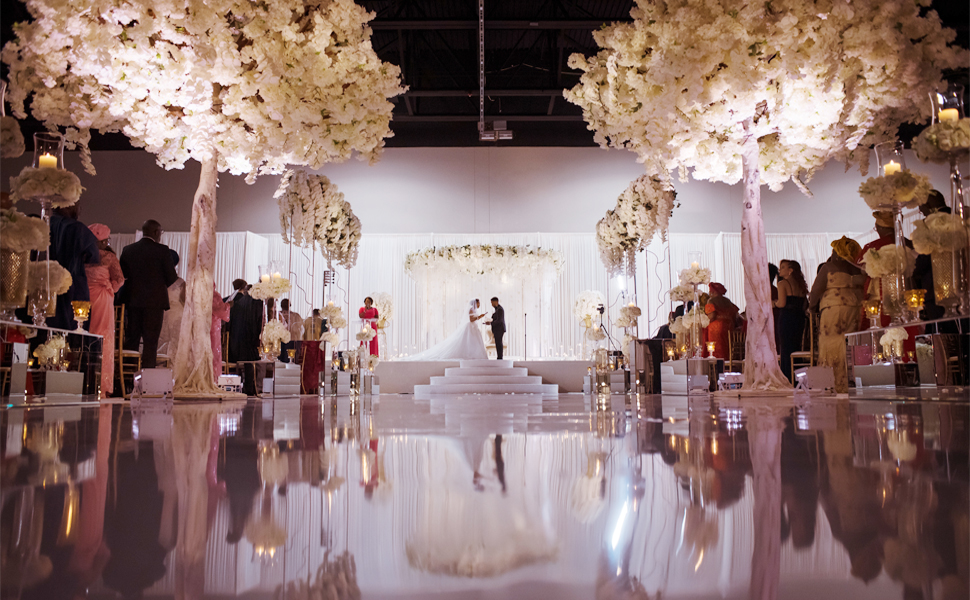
column 904, row 188
column 883, row 261
column 678, row 327
column 37, row 272
column 682, row 293
column 628, row 316
column 372, row 362
column 48, row 352
column 20, row 233
column 938, row 142
column 894, row 334
column 695, row 276
column 11, row 139
column 939, row 232
column 273, row 288
column 587, row 304
column 273, row 332
column 696, row 317
column 60, row 185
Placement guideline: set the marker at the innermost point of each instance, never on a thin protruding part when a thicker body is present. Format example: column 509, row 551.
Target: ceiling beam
column 455, row 24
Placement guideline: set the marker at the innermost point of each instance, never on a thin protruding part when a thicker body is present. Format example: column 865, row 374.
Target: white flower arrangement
column 628, row 316
column 904, row 188
column 642, row 211
column 331, row 311
column 696, row 317
column 587, row 304
column 20, row 233
column 892, row 335
column 11, row 139
column 695, row 276
column 943, row 140
column 49, row 351
column 384, row 304
column 595, row 334
column 313, row 212
column 678, row 327
column 330, row 338
column 939, row 232
column 371, row 362
column 366, row 334
column 274, row 332
column 682, row 293
column 481, row 259
column 60, row 185
column 615, row 242
column 338, row 322
column 883, row 262
column 272, row 288
column 37, row 272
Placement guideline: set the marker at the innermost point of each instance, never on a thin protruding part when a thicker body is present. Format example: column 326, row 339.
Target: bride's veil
column 471, row 305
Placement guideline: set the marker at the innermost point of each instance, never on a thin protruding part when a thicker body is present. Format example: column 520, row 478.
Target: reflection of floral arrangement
column 366, row 334
column 904, row 188
column 384, row 304
column 317, row 214
column 939, row 232
column 596, row 334
column 331, row 338
column 882, row 262
column 48, row 352
column 60, row 185
column 335, row 580
column 20, row 233
column 938, row 142
column 586, row 501
column 901, row 447
column 272, row 288
column 587, row 304
column 274, row 332
column 892, row 335
column 11, row 140
column 696, row 317
column 678, row 326
column 60, row 278
column 483, row 259
column 273, row 467
column 695, row 275
column 265, row 533
column 682, row 293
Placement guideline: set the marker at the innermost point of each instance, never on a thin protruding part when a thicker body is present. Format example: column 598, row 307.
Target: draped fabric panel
column 426, row 313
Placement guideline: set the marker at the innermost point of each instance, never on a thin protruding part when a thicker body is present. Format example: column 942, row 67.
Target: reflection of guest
column 723, row 314
column 220, row 314
column 369, row 314
column 73, row 246
column 90, row 553
column 104, row 279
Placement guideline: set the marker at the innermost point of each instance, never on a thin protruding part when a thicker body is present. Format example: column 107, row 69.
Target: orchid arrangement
column 587, row 304
column 518, row 261
column 60, row 185
column 642, row 211
column 883, row 262
column 939, row 232
column 271, row 288
column 943, row 140
column 11, row 139
column 58, row 282
column 313, row 212
column 20, row 233
column 904, row 188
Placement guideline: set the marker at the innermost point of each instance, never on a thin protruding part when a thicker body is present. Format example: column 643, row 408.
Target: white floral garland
column 273, row 288
column 882, row 262
column 60, row 185
column 313, row 212
column 20, row 233
column 943, row 140
column 939, row 232
column 481, row 259
column 904, row 188
column 587, row 304
column 60, row 278
column 695, row 276
column 11, row 139
column 384, row 304
column 274, row 332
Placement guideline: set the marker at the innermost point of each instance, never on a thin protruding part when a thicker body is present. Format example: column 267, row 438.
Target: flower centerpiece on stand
column 49, row 353
column 892, row 343
column 585, row 308
column 627, row 322
column 270, row 287
column 884, row 264
column 694, row 319
column 275, row 334
column 941, row 236
column 60, row 186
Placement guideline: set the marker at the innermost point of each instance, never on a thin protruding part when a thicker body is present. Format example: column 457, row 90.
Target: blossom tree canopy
column 240, row 86
column 764, row 92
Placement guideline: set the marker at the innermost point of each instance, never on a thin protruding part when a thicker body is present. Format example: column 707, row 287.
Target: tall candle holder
column 873, row 309
column 48, row 151
column 890, row 160
column 82, row 308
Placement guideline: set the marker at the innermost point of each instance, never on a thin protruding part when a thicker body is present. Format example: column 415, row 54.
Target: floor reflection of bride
column 465, row 343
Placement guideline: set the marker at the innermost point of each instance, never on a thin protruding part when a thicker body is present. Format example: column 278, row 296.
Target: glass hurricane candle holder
column 710, row 348
column 914, row 301
column 948, row 105
column 889, row 157
column 48, row 151
column 873, row 310
column 82, row 309
column 291, row 353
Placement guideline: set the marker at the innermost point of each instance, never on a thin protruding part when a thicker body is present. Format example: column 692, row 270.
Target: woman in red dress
column 369, row 313
column 723, row 313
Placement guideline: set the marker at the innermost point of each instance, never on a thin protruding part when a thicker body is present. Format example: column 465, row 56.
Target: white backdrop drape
column 423, row 317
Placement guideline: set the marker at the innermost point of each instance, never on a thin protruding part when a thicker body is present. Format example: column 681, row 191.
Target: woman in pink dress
column 220, row 314
column 104, row 279
column 369, row 313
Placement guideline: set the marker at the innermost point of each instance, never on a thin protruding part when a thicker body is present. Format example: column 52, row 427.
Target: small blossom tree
column 240, row 86
column 763, row 92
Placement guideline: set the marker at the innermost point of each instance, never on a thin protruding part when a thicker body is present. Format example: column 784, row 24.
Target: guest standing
column 148, row 268
column 369, row 314
column 74, row 247
column 792, row 302
column 723, row 315
column 837, row 294
column 245, row 323
column 220, row 314
column 294, row 323
column 104, row 280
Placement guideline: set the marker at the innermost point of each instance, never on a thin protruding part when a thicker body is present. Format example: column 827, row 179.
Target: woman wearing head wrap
column 837, row 293
column 723, row 314
column 104, row 279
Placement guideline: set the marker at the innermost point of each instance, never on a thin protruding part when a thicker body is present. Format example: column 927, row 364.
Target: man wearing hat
column 837, row 292
column 104, row 280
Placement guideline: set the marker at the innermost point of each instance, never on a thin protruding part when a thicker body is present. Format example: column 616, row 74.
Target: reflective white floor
column 511, row 496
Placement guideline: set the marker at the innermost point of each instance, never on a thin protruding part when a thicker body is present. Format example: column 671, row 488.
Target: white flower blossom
column 366, row 334
column 273, row 288
column 37, row 277
column 20, row 233
column 384, row 304
column 587, row 304
column 939, row 232
column 274, row 332
column 61, row 186
column 892, row 335
column 695, row 276
column 883, row 262
column 11, row 139
column 313, row 212
column 943, row 140
column 514, row 261
column 904, row 188
column 329, row 338
column 642, row 211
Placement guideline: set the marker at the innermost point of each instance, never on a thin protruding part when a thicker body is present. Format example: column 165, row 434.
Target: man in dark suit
column 498, row 327
column 245, row 323
column 149, row 270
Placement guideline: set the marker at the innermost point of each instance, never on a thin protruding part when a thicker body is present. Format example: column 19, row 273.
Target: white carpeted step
column 486, row 388
column 486, row 379
column 485, row 362
column 493, row 371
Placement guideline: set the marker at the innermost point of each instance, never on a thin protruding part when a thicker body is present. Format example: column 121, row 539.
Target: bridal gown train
column 465, row 343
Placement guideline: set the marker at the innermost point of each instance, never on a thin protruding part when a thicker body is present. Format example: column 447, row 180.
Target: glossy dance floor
column 488, row 497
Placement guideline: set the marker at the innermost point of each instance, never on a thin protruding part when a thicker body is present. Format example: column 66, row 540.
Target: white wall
column 465, row 190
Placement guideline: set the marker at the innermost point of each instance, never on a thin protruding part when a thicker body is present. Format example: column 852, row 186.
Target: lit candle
column 330, row 303
column 47, row 161
column 694, row 265
column 277, row 275
column 264, row 277
column 892, row 167
column 949, row 114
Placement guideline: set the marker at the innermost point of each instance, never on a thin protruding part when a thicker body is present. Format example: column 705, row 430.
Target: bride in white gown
column 465, row 343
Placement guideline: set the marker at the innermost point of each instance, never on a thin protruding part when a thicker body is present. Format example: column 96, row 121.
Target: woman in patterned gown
column 837, row 292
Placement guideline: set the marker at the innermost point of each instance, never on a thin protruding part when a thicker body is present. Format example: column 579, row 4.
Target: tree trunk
column 761, row 371
column 193, row 359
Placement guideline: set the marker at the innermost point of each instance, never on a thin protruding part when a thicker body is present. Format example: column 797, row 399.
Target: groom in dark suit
column 498, row 327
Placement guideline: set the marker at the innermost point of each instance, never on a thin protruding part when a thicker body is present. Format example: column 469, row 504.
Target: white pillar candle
column 892, row 167
column 264, row 278
column 47, row 161
column 949, row 114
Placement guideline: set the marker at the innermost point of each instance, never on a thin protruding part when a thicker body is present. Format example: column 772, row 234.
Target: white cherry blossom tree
column 242, row 86
column 763, row 92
